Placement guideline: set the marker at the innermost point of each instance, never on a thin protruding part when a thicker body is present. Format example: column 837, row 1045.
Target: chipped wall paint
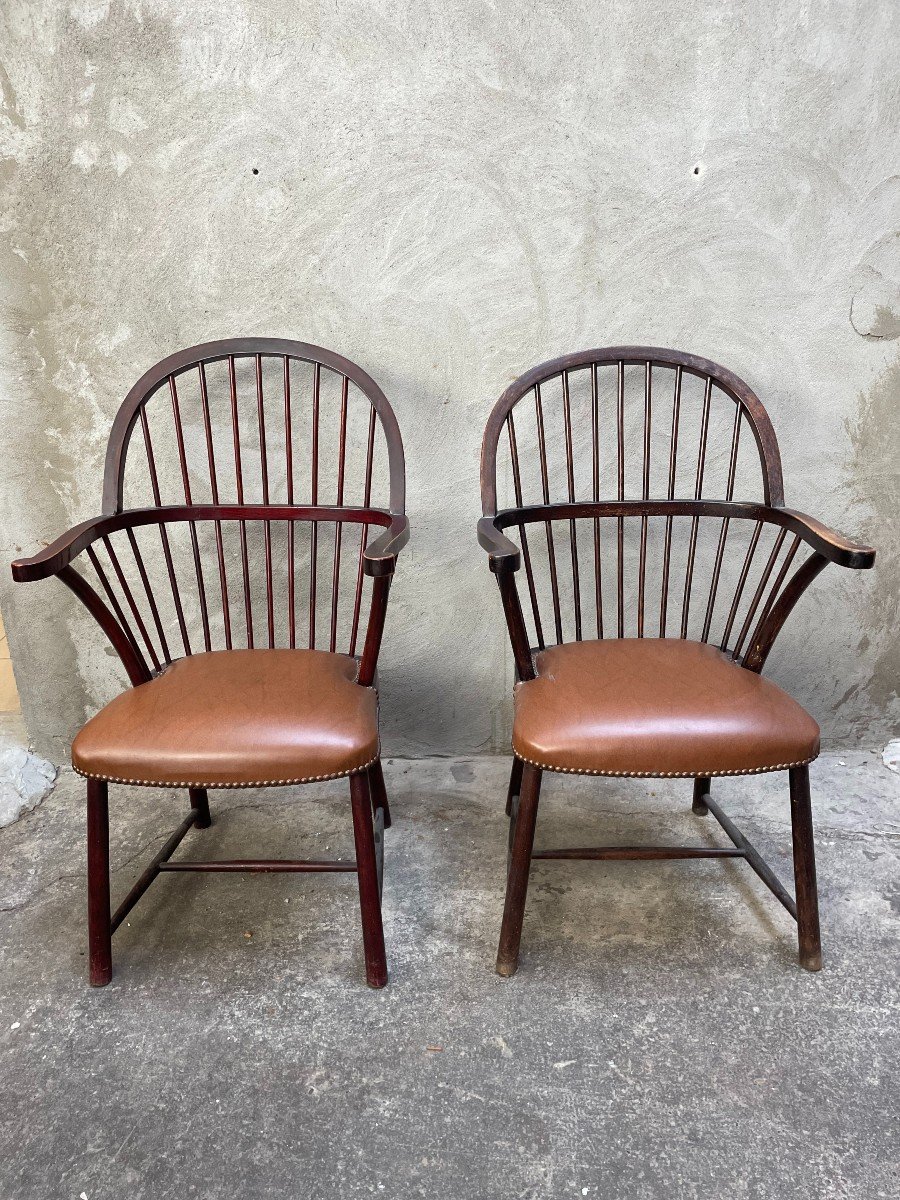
column 449, row 193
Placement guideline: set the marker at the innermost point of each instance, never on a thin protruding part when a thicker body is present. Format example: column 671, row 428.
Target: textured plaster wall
column 448, row 193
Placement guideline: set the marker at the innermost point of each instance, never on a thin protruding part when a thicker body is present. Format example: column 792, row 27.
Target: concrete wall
column 448, row 193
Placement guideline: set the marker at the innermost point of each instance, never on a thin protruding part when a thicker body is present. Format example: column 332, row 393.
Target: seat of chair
column 235, row 718
column 656, row 707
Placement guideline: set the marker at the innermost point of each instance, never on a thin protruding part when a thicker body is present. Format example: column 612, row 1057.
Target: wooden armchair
column 261, row 471
column 649, row 608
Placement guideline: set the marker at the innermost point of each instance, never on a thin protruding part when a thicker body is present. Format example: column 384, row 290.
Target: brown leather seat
column 235, row 718
column 656, row 707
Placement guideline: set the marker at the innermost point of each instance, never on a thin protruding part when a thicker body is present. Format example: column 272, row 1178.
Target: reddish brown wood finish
column 239, row 444
column 742, row 613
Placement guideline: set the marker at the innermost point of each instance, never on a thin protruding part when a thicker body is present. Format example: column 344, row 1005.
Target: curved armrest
column 59, row 553
column 830, row 544
column 381, row 555
column 504, row 554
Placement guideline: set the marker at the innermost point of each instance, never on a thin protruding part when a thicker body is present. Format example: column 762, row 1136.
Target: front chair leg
column 808, row 935
column 200, row 805
column 367, row 874
column 99, row 932
column 517, row 876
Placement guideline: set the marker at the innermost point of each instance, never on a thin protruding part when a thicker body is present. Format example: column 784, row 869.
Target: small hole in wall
column 696, row 170
column 256, row 170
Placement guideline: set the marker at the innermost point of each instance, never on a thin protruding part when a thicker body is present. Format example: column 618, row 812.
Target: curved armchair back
column 242, row 481
column 645, row 488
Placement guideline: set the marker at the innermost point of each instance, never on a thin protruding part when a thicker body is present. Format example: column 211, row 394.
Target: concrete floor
column 658, row 1041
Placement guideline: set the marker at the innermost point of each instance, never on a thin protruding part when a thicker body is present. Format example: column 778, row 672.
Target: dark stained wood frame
column 369, row 804
column 774, row 607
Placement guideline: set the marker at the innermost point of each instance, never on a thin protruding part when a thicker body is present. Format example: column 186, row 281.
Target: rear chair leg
column 808, row 935
column 99, row 933
column 200, row 805
column 367, row 874
column 379, row 795
column 515, row 784
column 701, row 789
column 519, row 867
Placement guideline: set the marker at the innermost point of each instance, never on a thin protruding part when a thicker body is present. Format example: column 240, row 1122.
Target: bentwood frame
column 257, row 447
column 801, row 548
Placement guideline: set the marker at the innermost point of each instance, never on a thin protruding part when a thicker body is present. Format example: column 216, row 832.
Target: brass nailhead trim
column 703, row 773
column 259, row 783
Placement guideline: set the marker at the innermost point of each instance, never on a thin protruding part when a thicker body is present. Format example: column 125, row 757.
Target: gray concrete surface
column 659, row 1040
column 449, row 193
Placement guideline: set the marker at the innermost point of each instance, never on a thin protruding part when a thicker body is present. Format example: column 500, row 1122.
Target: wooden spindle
column 545, row 492
column 338, row 525
column 673, row 462
column 645, row 492
column 164, row 535
column 148, row 591
column 179, row 438
column 291, row 528
column 698, row 494
column 595, row 481
column 723, row 534
column 772, row 597
column 367, row 500
column 113, row 600
column 620, row 481
column 523, row 535
column 201, row 586
column 570, row 482
column 129, row 600
column 742, row 579
column 214, row 490
column 239, row 487
column 261, row 424
column 314, row 499
column 760, row 589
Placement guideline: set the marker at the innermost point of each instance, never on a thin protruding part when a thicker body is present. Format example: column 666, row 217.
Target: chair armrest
column 60, row 553
column 504, row 554
column 381, row 555
column 831, row 545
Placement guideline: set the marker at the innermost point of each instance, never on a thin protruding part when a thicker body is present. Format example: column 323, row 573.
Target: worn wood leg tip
column 811, row 961
column 377, row 979
column 507, row 967
column 699, row 808
column 101, row 978
column 201, row 822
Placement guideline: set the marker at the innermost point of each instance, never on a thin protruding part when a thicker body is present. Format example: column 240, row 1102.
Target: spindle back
column 255, row 421
column 244, row 479
column 621, row 454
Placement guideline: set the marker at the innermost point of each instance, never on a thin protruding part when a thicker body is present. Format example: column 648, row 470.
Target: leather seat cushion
column 235, row 718
column 656, row 707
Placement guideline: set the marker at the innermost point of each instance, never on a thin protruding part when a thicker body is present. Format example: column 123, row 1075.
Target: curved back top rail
column 247, row 420
column 618, row 409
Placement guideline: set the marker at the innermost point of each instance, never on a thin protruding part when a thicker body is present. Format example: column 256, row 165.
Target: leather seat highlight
column 235, row 718
column 656, row 707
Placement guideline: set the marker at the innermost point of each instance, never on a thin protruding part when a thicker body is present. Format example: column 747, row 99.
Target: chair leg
column 701, row 789
column 200, row 805
column 367, row 874
column 515, row 784
column 379, row 795
column 99, row 933
column 808, row 935
column 519, row 867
